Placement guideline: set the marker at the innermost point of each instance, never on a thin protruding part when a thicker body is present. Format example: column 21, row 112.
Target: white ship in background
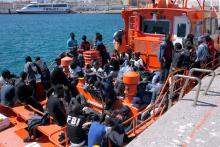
column 44, row 8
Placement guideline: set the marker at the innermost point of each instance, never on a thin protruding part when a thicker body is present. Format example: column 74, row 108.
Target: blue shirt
column 202, row 52
column 71, row 43
column 96, row 134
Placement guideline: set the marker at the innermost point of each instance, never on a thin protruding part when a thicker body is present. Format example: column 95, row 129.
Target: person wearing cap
column 201, row 52
column 165, row 54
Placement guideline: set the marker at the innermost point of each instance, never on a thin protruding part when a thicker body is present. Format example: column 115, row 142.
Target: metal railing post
column 190, row 74
column 192, row 78
column 171, row 93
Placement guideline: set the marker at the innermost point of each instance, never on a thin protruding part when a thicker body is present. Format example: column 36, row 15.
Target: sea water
column 46, row 35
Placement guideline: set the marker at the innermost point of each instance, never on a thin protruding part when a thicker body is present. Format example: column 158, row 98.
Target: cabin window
column 33, row 6
column 208, row 26
column 60, row 5
column 181, row 30
column 45, row 5
column 156, row 27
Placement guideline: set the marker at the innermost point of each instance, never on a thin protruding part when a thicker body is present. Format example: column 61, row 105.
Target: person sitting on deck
column 56, row 107
column 7, row 96
column 85, row 45
column 31, row 69
column 119, row 85
column 44, row 72
column 75, row 73
column 98, row 132
column 6, row 77
column 123, row 57
column 138, row 62
column 24, row 92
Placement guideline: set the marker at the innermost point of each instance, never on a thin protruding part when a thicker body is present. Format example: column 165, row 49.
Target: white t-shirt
column 138, row 63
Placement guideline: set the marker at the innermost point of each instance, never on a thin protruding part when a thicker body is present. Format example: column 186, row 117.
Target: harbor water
column 46, row 35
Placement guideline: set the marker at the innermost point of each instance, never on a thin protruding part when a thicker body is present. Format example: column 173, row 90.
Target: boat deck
column 185, row 125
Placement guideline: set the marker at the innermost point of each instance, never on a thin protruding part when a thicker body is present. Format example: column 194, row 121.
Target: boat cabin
column 144, row 27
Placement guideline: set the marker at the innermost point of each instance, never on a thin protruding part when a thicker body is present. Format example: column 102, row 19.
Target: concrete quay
column 185, row 125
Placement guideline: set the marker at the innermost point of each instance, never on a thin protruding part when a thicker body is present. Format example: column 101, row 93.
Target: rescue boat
column 142, row 32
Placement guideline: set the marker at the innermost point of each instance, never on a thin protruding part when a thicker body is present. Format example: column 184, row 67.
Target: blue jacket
column 96, row 134
column 202, row 52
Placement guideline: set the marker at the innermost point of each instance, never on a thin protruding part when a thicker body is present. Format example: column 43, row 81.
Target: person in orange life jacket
column 85, row 45
column 165, row 54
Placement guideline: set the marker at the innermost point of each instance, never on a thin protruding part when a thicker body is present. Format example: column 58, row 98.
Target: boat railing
column 155, row 110
column 191, row 73
column 165, row 98
column 137, row 4
column 187, row 78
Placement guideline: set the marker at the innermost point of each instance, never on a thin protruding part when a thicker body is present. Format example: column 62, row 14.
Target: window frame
column 184, row 30
column 167, row 20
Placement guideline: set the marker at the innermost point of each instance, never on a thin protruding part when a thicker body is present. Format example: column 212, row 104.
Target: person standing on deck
column 44, row 72
column 201, row 52
column 72, row 42
column 165, row 54
column 31, row 70
column 85, row 45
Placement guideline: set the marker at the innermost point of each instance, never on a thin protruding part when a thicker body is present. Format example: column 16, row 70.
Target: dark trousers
column 34, row 87
column 165, row 68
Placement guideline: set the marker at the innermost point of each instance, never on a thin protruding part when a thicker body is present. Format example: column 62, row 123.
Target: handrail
column 191, row 73
column 159, row 101
column 187, row 77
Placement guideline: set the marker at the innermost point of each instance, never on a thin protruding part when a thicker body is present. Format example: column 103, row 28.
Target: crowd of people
column 104, row 81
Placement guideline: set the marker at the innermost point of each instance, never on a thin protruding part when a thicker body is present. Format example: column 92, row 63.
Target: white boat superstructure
column 44, row 8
